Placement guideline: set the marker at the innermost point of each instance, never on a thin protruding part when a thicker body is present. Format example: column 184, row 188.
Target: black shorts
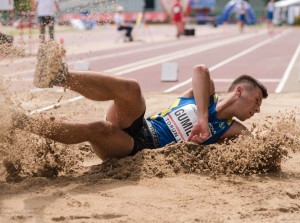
column 46, row 20
column 141, row 134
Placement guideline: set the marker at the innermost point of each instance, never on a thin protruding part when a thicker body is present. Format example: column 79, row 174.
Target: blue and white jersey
column 175, row 123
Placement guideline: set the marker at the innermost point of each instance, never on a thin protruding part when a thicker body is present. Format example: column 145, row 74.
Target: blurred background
column 21, row 14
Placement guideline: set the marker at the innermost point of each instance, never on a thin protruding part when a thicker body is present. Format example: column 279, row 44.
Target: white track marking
column 288, row 71
column 121, row 70
column 114, row 55
column 56, row 105
column 178, row 54
column 230, row 59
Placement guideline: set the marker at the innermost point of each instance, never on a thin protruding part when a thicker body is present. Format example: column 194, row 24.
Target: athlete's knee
column 99, row 129
column 133, row 88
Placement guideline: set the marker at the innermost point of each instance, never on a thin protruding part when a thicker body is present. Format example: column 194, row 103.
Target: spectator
column 46, row 10
column 241, row 10
column 119, row 20
column 270, row 10
column 177, row 16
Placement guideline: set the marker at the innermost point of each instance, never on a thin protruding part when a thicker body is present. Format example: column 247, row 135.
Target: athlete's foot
column 50, row 70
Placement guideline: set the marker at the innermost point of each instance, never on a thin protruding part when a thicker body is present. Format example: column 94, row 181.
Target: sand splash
column 273, row 142
column 35, row 157
column 8, row 51
column 245, row 155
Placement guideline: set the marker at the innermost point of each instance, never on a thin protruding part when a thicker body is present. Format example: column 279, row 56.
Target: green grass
column 35, row 31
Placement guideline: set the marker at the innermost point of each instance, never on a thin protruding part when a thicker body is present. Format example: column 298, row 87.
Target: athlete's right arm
column 203, row 87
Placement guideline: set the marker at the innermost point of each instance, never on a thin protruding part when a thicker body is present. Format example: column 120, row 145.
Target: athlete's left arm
column 235, row 130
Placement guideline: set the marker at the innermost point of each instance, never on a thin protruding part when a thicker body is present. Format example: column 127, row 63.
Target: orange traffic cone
column 61, row 41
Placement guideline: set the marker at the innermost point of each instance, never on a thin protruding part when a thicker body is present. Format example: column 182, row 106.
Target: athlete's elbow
column 201, row 68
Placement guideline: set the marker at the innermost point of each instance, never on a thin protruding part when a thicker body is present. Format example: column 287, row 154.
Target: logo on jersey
column 181, row 121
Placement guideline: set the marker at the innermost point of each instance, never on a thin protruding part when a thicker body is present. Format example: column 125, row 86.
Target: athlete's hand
column 200, row 132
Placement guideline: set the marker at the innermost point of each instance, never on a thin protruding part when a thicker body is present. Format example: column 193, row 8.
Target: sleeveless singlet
column 175, row 124
column 177, row 12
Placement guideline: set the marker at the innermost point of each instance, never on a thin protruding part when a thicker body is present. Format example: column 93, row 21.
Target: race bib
column 181, row 121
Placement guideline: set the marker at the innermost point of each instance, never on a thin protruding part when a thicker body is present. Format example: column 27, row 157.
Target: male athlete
column 198, row 115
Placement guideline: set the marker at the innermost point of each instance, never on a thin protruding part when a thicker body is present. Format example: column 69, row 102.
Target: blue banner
column 200, row 4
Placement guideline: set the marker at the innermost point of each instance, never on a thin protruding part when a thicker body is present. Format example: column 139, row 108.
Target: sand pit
column 249, row 179
column 246, row 180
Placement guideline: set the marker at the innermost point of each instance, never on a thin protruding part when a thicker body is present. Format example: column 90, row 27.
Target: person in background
column 241, row 11
column 177, row 17
column 119, row 20
column 45, row 11
column 270, row 11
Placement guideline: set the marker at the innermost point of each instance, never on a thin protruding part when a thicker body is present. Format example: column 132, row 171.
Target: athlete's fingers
column 198, row 139
column 190, row 137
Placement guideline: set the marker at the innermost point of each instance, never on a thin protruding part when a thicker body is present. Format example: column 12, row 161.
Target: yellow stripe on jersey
column 229, row 121
column 215, row 97
column 175, row 104
column 166, row 111
column 153, row 117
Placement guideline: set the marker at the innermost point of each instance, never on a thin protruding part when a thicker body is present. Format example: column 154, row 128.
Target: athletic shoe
column 50, row 70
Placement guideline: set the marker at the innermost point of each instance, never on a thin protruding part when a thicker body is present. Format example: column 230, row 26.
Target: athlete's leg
column 107, row 137
column 128, row 102
column 108, row 141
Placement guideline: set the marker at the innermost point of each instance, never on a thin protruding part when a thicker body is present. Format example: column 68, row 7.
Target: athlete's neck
column 224, row 106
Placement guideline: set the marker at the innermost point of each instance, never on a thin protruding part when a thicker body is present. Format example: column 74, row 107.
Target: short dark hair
column 246, row 79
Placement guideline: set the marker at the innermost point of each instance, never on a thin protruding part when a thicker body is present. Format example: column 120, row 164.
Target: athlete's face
column 249, row 102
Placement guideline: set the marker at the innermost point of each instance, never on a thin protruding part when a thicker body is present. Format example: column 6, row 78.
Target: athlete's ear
column 239, row 90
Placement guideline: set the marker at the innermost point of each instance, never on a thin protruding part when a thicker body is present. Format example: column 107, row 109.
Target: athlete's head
column 250, row 93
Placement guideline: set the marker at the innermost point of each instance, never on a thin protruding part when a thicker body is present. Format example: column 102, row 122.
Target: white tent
column 286, row 3
column 286, row 11
column 6, row 5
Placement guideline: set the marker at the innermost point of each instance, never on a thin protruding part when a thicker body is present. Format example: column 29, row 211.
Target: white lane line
column 114, row 55
column 288, row 71
column 56, row 105
column 175, row 55
column 167, row 43
column 144, row 49
column 160, row 59
column 54, row 89
column 178, row 54
column 230, row 59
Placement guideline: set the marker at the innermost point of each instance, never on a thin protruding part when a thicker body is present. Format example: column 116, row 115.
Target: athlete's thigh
column 123, row 113
column 114, row 144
